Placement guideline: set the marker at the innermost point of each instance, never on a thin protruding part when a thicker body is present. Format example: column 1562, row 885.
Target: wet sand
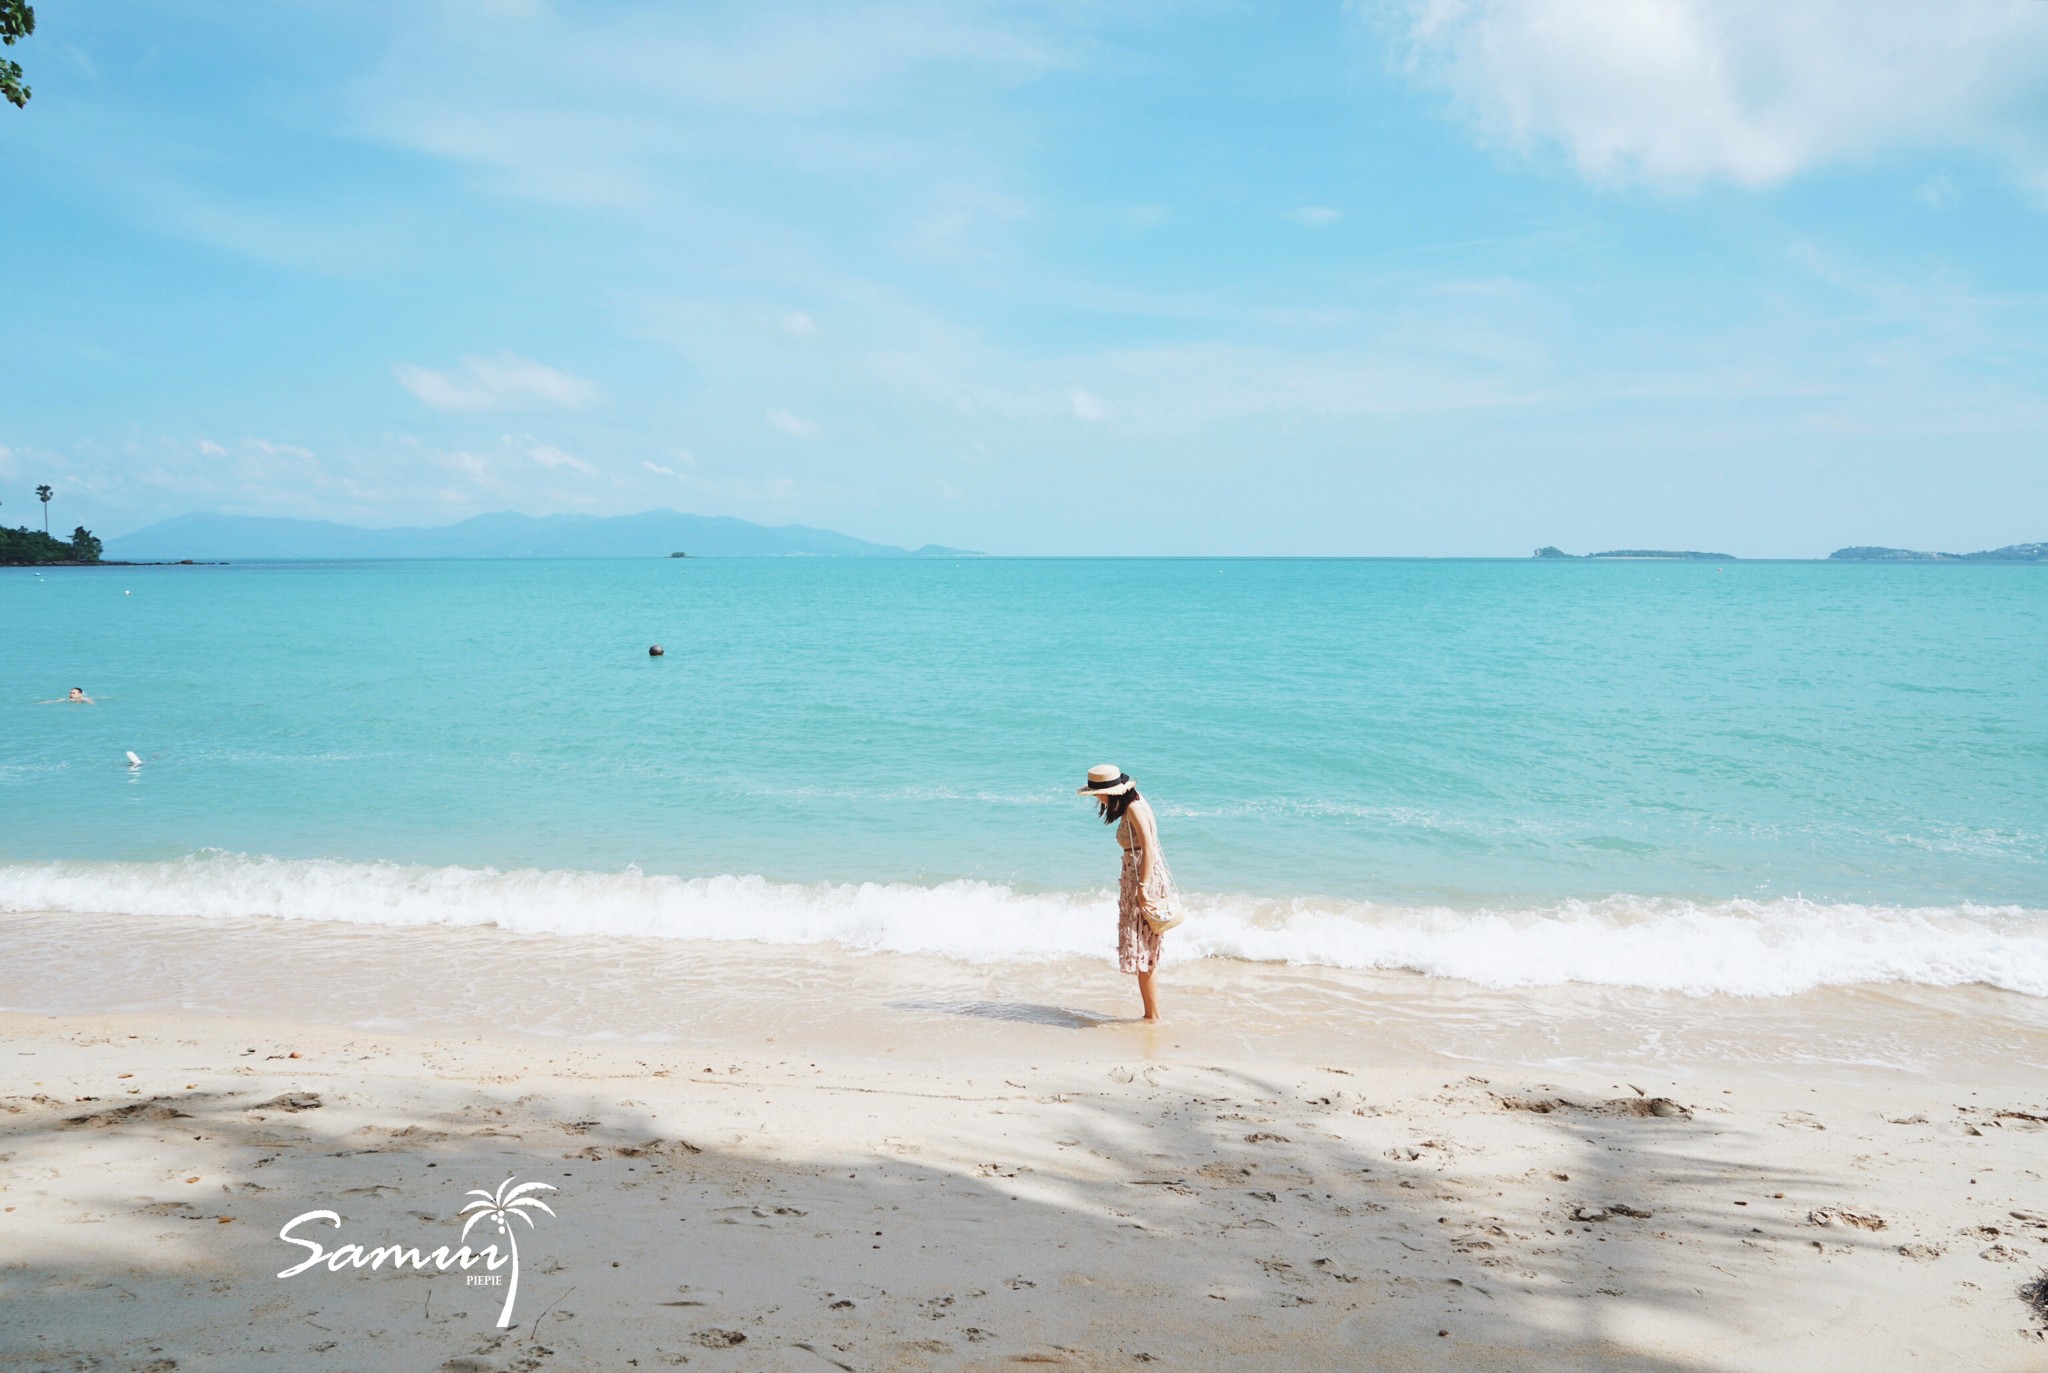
column 796, row 1158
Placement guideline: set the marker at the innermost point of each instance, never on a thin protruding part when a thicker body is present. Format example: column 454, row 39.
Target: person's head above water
column 1112, row 789
column 78, row 693
column 655, row 650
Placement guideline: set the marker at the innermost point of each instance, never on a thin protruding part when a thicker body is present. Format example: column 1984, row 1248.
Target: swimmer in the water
column 76, row 698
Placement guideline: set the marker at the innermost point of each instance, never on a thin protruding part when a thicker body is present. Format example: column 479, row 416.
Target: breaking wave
column 1753, row 948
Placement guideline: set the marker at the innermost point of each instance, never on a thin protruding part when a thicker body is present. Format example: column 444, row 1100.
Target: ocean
column 1749, row 778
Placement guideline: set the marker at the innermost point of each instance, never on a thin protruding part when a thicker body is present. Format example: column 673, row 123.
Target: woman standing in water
column 1145, row 908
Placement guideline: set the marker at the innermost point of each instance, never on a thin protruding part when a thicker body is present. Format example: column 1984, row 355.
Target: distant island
column 2011, row 553
column 651, row 534
column 1655, row 554
column 26, row 547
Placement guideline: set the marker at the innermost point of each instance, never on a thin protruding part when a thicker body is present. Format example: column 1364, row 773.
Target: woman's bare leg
column 1145, row 991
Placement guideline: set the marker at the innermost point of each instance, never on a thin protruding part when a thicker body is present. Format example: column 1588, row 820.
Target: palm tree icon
column 501, row 1206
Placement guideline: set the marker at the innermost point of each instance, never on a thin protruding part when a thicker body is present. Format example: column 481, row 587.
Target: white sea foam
column 1760, row 948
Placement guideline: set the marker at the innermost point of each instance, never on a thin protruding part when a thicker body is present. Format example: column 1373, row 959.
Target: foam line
column 1757, row 948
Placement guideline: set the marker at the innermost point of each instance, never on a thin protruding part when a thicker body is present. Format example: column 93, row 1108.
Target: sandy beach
column 797, row 1158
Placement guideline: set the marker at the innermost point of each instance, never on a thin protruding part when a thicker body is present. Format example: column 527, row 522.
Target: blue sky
column 1406, row 277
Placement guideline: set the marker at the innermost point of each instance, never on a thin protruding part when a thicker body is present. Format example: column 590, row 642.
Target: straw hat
column 1106, row 780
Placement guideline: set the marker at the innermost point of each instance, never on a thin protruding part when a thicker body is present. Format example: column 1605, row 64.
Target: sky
column 1389, row 277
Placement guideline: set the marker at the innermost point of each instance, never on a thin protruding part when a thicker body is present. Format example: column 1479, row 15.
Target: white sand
column 882, row 1163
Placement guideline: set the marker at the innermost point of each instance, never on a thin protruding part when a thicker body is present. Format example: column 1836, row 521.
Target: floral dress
column 1139, row 946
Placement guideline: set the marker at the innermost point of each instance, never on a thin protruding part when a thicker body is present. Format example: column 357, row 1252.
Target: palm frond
column 523, row 1188
column 472, row 1221
column 523, row 1202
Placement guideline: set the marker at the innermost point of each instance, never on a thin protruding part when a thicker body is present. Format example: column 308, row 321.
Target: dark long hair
column 1113, row 807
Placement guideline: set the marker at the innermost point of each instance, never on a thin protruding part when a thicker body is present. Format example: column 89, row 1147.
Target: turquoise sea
column 1747, row 777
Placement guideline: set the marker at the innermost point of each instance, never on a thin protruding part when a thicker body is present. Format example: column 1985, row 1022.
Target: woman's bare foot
column 1145, row 994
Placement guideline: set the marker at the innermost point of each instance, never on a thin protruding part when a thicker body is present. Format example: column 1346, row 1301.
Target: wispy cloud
column 475, row 466
column 683, row 456
column 797, row 427
column 277, row 450
column 729, row 488
column 633, row 92
column 1316, row 216
column 491, row 383
column 552, row 458
column 1937, row 193
column 501, row 471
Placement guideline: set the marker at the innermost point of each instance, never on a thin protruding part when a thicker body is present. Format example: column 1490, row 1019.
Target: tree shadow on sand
column 1194, row 1216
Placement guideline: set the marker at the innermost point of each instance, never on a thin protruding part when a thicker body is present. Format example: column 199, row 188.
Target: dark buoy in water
column 655, row 651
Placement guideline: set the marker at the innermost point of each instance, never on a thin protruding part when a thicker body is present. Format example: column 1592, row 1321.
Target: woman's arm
column 1148, row 842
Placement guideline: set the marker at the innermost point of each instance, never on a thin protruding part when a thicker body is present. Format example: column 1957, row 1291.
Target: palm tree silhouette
column 501, row 1206
column 43, row 494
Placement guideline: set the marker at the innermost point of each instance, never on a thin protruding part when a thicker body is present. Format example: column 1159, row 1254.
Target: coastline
column 1321, row 1166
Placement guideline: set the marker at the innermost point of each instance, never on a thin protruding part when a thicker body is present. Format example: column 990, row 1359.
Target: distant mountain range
column 651, row 534
column 1655, row 554
column 2011, row 553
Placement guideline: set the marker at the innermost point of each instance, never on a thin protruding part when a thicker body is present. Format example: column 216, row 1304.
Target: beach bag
column 1163, row 908
column 1165, row 914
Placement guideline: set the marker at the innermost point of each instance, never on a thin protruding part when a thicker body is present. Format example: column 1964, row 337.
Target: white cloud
column 474, row 465
column 212, row 449
column 548, row 456
column 1680, row 92
column 782, row 421
column 1086, row 406
column 1316, row 216
column 278, row 450
column 631, row 92
column 492, row 470
column 797, row 324
column 684, row 459
column 490, row 383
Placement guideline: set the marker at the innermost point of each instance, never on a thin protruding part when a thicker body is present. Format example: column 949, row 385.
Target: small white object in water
column 133, row 761
column 127, row 593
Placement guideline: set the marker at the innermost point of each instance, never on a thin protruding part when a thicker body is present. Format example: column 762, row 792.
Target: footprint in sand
column 715, row 1338
column 1835, row 1215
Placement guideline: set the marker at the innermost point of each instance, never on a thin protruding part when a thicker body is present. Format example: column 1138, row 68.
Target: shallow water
column 675, row 996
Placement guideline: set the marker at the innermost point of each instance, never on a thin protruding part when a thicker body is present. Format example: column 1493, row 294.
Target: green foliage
column 17, row 21
column 26, row 547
